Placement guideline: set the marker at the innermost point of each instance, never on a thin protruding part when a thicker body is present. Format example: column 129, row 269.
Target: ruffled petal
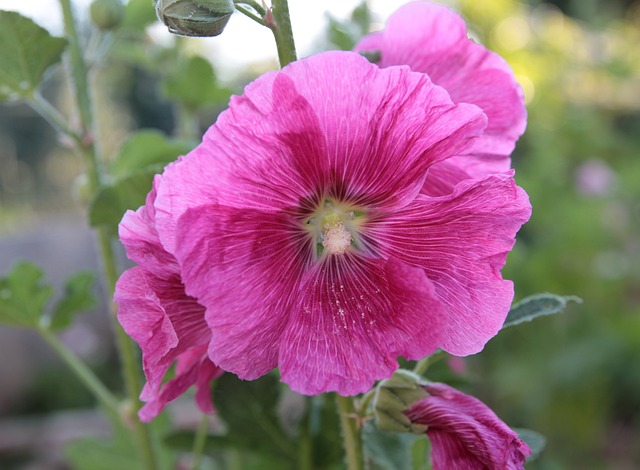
column 138, row 234
column 193, row 368
column 464, row 433
column 244, row 266
column 313, row 130
column 166, row 324
column 354, row 318
column 381, row 138
column 461, row 241
column 432, row 39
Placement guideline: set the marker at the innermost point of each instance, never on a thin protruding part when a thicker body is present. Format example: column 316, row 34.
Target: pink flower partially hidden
column 168, row 325
column 432, row 39
column 465, row 434
column 299, row 225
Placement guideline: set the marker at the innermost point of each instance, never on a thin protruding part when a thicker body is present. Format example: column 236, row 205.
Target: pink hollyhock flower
column 299, row 225
column 168, row 325
column 432, row 39
column 465, row 434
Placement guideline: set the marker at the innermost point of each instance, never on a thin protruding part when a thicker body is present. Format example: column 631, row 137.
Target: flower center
column 334, row 227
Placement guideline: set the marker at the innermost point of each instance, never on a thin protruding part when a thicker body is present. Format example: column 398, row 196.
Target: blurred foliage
column 574, row 377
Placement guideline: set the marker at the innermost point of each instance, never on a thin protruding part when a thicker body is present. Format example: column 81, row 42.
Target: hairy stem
column 282, row 32
column 351, row 436
column 80, row 80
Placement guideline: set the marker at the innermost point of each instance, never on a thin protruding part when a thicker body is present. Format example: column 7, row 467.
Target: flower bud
column 393, row 397
column 198, row 18
column 106, row 14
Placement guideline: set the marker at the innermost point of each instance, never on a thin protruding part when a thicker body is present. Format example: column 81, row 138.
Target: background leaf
column 536, row 306
column 78, row 297
column 147, row 149
column 388, row 450
column 249, row 411
column 26, row 52
column 23, row 295
column 194, row 84
column 536, row 441
column 141, row 157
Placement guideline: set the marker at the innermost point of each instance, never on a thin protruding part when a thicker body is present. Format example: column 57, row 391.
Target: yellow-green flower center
column 334, row 227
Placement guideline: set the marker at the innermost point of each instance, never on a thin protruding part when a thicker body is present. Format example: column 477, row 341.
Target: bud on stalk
column 197, row 18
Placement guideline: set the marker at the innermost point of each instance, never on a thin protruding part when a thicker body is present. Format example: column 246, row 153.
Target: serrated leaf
column 536, row 442
column 26, row 52
column 23, row 295
column 112, row 201
column 147, row 149
column 78, row 297
column 535, row 306
column 388, row 450
column 249, row 411
column 194, row 84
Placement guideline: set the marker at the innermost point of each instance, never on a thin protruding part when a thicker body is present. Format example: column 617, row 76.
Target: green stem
column 253, row 4
column 80, row 78
column 78, row 67
column 53, row 117
column 250, row 14
column 424, row 364
column 305, row 457
column 86, row 376
column 350, row 433
column 199, row 442
column 282, row 32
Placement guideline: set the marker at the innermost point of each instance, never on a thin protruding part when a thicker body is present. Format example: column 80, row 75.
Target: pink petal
column 308, row 130
column 354, row 317
column 193, row 367
column 167, row 324
column 461, row 241
column 432, row 39
column 139, row 236
column 244, row 266
column 465, row 434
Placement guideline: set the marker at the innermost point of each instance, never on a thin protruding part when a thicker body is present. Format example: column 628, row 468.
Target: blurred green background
column 574, row 377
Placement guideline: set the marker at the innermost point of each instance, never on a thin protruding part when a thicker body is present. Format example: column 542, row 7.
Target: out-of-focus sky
column 243, row 40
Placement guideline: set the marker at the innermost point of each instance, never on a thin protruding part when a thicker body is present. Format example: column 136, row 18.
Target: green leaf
column 388, row 450
column 23, row 296
column 141, row 157
column 78, row 297
column 114, row 200
column 194, row 84
column 147, row 149
column 26, row 52
column 139, row 14
column 249, row 411
column 537, row 305
column 361, row 17
column 534, row 440
column 118, row 451
column 94, row 454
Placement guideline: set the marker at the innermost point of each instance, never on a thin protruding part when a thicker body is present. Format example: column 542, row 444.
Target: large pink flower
column 465, row 434
column 154, row 310
column 299, row 224
column 432, row 39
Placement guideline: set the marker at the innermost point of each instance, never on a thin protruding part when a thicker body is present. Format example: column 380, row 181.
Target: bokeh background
column 574, row 377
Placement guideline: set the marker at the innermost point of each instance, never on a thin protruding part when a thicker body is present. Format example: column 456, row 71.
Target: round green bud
column 106, row 14
column 196, row 18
